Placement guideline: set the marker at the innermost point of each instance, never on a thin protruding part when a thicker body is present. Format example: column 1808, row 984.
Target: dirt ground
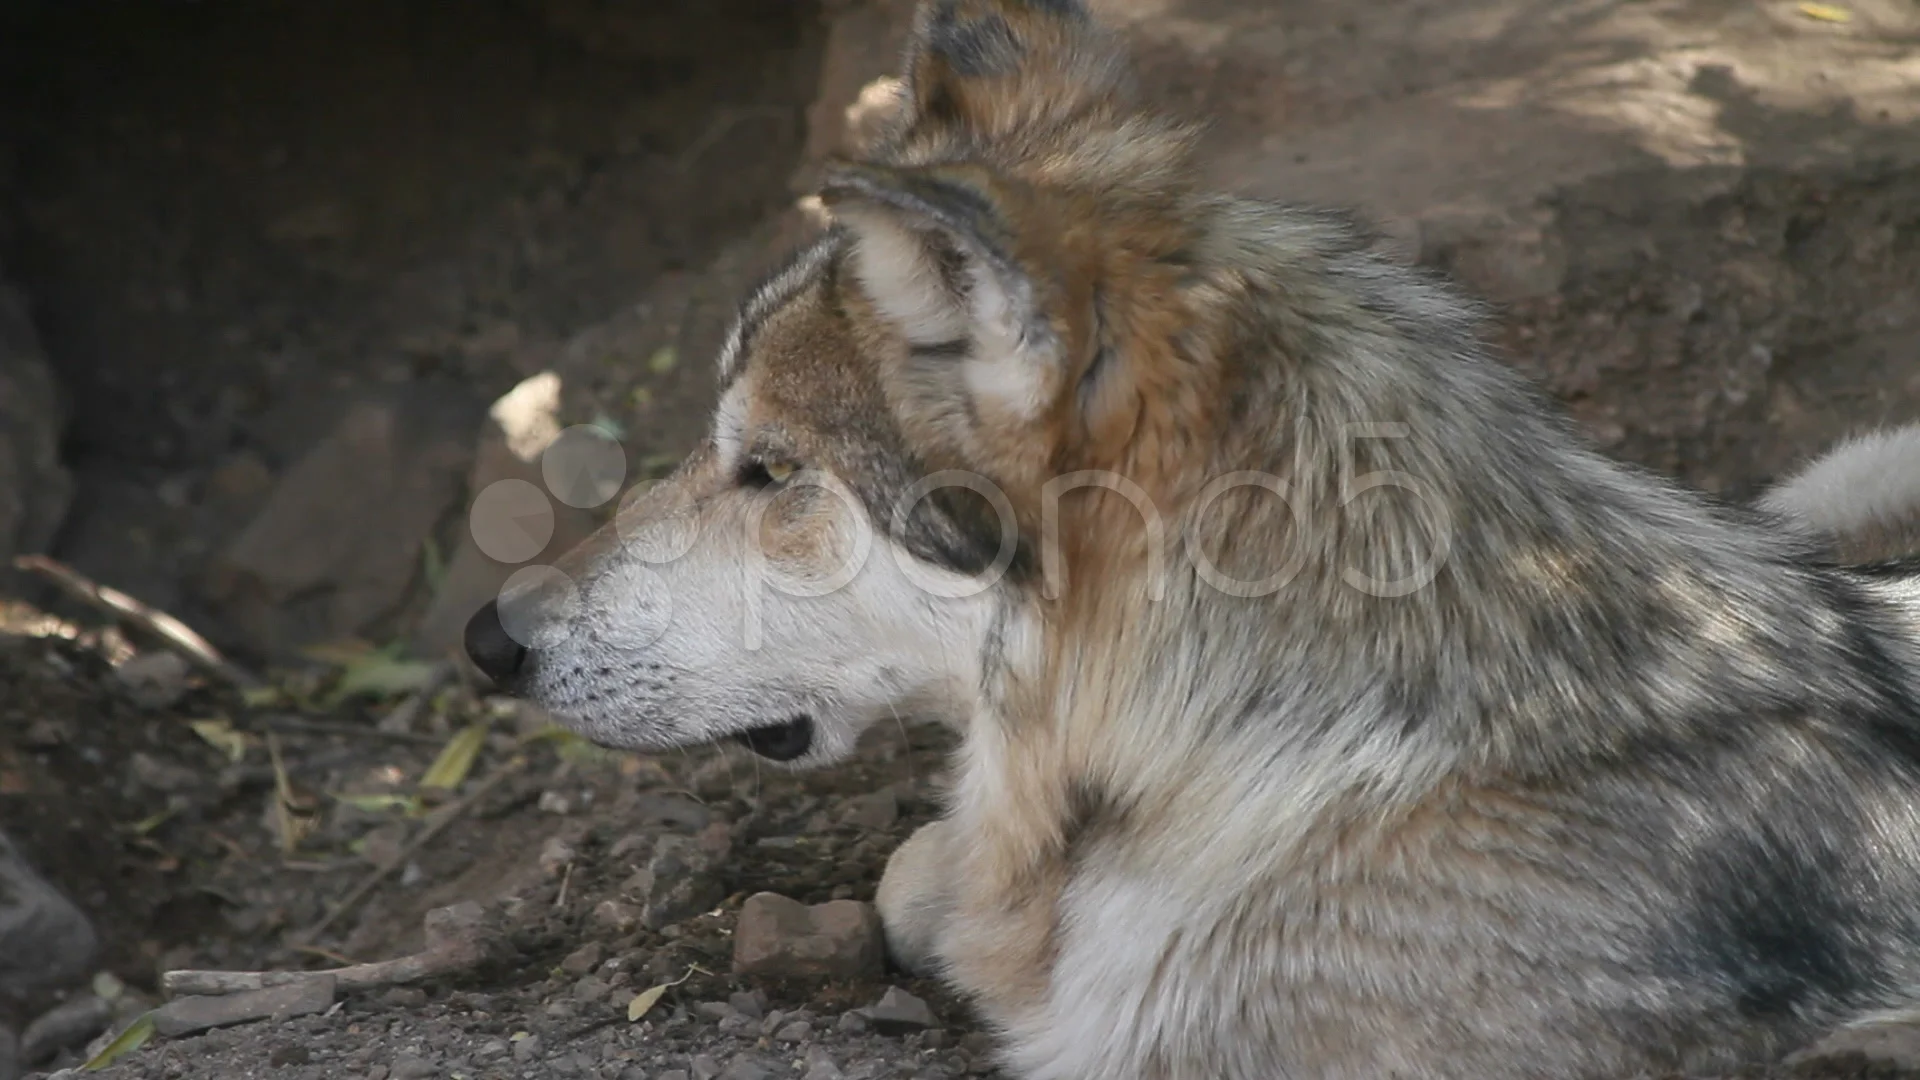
column 236, row 219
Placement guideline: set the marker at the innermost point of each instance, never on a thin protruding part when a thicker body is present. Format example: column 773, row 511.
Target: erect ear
column 935, row 250
column 993, row 67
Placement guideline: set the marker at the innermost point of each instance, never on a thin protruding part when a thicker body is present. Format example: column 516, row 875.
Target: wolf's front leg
column 915, row 897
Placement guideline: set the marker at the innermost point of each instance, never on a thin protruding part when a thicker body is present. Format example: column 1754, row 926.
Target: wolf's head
column 971, row 393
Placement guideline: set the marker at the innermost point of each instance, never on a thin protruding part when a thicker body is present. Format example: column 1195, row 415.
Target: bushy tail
column 1863, row 496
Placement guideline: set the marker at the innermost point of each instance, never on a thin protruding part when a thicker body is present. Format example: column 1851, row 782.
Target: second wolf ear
column 935, row 251
column 990, row 68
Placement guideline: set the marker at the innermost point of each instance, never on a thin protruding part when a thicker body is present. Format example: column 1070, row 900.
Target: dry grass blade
column 133, row 1038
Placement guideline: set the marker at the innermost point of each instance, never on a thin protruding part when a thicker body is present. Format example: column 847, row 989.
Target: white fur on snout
column 713, row 643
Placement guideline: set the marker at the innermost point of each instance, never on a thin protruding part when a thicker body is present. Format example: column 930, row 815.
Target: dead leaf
column 663, row 360
column 1826, row 13
column 450, row 769
column 646, row 999
column 219, row 733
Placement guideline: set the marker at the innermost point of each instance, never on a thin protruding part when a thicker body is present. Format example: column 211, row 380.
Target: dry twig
column 456, row 940
column 437, row 823
column 175, row 634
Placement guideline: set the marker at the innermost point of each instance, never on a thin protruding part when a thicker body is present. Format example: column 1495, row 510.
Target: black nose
column 492, row 650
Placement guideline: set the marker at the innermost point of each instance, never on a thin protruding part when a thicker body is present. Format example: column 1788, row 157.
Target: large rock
column 44, row 939
column 519, row 428
column 343, row 535
column 34, row 489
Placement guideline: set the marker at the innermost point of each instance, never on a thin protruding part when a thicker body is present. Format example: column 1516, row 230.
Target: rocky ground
column 284, row 288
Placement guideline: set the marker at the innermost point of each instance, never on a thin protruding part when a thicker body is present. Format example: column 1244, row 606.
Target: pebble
column 705, row 1067
column 404, row 997
column 409, row 1067
column 674, row 1074
column 679, row 880
column 746, row 1067
column 751, row 1003
column 616, row 916
column 821, row 1066
column 583, row 960
column 898, row 1013
column 777, row 937
column 714, row 1010
column 796, row 1032
column 590, row 990
column 527, row 1049
column 155, row 680
column 852, row 1023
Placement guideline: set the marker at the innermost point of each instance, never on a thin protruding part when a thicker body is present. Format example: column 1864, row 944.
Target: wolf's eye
column 757, row 473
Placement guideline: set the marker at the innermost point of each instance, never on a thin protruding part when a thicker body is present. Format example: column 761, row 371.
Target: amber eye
column 758, row 473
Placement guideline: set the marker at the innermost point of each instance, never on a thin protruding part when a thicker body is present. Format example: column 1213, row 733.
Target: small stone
column 876, row 812
column 714, row 1010
column 899, row 1013
column 674, row 1074
column 935, row 1039
column 527, row 1049
column 584, row 959
column 705, row 1067
column 404, row 997
column 821, row 1066
column 737, row 1024
column 492, row 1048
column 852, row 1023
column 155, row 680
column 556, row 855
column 188, row 1015
column 615, row 916
column 750, row 1003
column 408, row 1067
column 555, row 802
column 746, row 1067
column 290, row 1054
column 777, row 937
column 772, row 1022
column 677, row 883
column 797, row 1032
column 590, row 990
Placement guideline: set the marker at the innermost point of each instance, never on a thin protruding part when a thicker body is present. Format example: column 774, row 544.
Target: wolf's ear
column 934, row 249
column 993, row 67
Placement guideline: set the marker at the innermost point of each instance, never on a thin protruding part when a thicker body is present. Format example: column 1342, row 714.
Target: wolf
column 1327, row 706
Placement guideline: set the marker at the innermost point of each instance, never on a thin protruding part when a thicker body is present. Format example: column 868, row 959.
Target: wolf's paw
column 915, row 898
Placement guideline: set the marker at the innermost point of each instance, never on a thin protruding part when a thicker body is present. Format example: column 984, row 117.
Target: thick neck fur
column 1576, row 608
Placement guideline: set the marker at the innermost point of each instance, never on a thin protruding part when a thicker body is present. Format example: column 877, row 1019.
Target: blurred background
column 284, row 284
